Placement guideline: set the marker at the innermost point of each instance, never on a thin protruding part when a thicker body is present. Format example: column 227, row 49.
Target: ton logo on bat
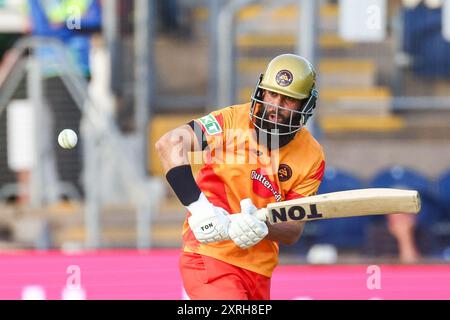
column 297, row 213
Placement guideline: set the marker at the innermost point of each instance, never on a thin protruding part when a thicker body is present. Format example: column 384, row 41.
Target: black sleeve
column 199, row 134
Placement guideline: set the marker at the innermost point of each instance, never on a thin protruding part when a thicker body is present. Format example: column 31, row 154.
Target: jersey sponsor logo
column 284, row 78
column 284, row 172
column 263, row 186
column 211, row 125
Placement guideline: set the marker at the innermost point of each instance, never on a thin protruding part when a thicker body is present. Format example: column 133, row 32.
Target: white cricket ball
column 67, row 139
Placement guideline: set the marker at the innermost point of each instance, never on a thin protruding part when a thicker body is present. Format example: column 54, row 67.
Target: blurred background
column 123, row 72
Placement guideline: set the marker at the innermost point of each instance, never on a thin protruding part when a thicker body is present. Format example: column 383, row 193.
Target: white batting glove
column 208, row 222
column 245, row 229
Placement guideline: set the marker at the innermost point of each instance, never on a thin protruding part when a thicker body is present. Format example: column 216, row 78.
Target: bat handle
column 261, row 214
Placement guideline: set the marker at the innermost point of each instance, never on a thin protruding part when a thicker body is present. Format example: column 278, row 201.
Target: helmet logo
column 284, row 78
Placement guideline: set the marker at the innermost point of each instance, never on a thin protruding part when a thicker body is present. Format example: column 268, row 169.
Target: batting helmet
column 292, row 76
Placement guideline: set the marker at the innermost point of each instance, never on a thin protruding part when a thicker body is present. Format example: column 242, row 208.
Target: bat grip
column 261, row 214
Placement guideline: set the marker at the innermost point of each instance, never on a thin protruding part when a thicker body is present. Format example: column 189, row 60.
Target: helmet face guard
column 297, row 118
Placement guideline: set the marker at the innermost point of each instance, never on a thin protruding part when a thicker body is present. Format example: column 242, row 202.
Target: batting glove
column 245, row 229
column 208, row 222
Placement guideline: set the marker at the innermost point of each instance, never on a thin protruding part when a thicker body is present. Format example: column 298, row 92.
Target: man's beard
column 275, row 140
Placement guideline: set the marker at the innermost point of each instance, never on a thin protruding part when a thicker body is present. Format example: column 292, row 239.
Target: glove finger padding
column 239, row 237
column 236, row 233
column 244, row 226
column 258, row 227
column 246, row 230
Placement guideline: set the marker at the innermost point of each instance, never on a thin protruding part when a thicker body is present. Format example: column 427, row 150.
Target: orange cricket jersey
column 237, row 167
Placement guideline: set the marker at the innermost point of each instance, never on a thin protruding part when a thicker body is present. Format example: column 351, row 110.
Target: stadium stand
column 407, row 178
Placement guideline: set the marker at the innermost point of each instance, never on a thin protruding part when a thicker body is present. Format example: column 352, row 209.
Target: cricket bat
column 350, row 203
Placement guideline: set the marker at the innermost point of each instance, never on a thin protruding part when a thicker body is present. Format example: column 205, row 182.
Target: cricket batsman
column 254, row 154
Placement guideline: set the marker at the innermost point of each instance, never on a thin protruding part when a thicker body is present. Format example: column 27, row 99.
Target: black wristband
column 183, row 184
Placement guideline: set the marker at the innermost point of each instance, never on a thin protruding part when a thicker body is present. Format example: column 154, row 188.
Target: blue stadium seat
column 407, row 178
column 441, row 230
column 424, row 41
column 402, row 178
column 344, row 233
column 443, row 194
column 427, row 231
column 338, row 180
